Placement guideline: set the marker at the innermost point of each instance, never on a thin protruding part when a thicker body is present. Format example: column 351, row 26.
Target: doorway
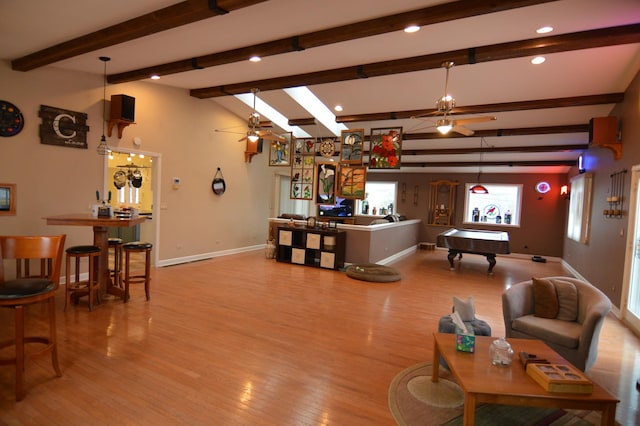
column 630, row 309
column 132, row 182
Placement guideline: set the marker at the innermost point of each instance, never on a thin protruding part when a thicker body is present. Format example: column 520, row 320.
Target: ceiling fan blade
column 475, row 119
column 242, row 139
column 426, row 114
column 271, row 137
column 462, row 130
column 228, row 131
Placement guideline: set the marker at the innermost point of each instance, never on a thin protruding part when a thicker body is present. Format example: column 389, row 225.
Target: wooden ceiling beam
column 386, row 24
column 532, row 163
column 159, row 20
column 625, row 34
column 607, row 98
column 493, row 150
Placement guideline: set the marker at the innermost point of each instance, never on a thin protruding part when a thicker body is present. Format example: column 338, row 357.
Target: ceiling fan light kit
column 444, row 126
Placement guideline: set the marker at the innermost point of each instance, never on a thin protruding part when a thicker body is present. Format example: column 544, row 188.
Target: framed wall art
column 351, row 142
column 7, row 199
column 385, row 148
column 302, row 173
column 351, row 181
column 325, row 183
column 305, row 146
column 280, row 150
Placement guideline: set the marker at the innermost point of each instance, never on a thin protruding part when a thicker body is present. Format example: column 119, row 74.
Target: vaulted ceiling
column 355, row 53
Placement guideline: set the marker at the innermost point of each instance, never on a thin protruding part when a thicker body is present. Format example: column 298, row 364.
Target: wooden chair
column 21, row 290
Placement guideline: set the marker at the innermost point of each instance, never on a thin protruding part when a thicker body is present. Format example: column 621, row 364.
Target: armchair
column 575, row 340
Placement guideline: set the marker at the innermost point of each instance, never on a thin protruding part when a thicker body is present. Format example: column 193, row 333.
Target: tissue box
column 465, row 340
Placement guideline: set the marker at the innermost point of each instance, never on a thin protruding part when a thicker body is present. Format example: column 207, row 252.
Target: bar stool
column 115, row 273
column 78, row 288
column 135, row 278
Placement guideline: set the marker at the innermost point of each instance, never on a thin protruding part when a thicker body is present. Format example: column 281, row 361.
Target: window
column 380, row 199
column 580, row 208
column 500, row 206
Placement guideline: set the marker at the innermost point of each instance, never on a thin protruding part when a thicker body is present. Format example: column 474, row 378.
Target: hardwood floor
column 242, row 340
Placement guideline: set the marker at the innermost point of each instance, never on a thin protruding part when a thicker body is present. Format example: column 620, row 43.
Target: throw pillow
column 545, row 298
column 567, row 300
column 464, row 308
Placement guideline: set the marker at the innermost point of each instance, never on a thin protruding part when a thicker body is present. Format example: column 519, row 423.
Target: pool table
column 474, row 241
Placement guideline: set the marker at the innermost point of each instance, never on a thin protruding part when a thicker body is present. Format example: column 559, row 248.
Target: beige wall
column 601, row 260
column 193, row 222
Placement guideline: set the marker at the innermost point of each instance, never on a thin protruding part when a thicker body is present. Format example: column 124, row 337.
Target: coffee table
column 483, row 382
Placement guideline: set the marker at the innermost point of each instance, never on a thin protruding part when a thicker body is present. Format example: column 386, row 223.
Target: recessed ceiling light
column 412, row 29
column 155, row 77
column 338, row 108
column 538, row 60
column 544, row 30
column 255, row 59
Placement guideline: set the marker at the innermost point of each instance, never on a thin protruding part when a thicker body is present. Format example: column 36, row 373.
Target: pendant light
column 103, row 148
column 478, row 188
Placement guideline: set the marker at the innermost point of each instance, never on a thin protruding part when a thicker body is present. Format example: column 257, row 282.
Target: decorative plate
column 327, row 148
column 11, row 119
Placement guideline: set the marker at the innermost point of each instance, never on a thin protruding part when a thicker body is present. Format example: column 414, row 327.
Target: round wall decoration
column 11, row 119
column 543, row 187
column 327, row 148
column 218, row 186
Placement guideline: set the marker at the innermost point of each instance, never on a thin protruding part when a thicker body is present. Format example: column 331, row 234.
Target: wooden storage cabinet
column 322, row 248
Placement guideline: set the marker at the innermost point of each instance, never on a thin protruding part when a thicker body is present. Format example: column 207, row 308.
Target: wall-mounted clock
column 11, row 119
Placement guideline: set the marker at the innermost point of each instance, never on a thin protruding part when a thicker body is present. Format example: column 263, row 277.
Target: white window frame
column 496, row 203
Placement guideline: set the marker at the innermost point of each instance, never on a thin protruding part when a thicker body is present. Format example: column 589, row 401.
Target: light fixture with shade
column 252, row 136
column 479, row 188
column 103, row 148
column 444, row 126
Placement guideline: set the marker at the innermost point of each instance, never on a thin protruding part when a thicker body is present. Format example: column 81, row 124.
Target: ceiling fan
column 445, row 105
column 256, row 130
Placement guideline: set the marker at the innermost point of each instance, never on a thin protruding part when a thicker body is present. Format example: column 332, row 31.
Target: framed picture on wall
column 351, row 181
column 351, row 142
column 326, row 183
column 280, row 150
column 385, row 148
column 7, row 199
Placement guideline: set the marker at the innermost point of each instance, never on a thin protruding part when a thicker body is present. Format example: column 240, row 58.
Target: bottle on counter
column 498, row 219
column 507, row 217
column 365, row 207
column 373, row 211
column 475, row 215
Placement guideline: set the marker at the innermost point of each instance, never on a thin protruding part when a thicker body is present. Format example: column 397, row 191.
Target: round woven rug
column 373, row 272
column 414, row 400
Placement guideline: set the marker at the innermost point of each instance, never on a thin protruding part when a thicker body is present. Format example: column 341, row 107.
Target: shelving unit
column 323, row 248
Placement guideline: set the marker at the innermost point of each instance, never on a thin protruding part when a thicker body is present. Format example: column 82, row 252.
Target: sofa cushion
column 563, row 333
column 464, row 308
column 567, row 300
column 545, row 298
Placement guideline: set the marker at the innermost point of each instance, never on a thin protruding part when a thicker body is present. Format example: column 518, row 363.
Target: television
column 342, row 208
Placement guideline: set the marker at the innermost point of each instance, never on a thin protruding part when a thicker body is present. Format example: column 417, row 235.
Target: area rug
column 414, row 400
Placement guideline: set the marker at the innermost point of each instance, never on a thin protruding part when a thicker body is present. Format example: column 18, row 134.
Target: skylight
column 309, row 101
column 270, row 113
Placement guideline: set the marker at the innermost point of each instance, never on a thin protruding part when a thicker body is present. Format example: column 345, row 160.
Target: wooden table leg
column 469, row 409
column 101, row 239
column 435, row 367
column 609, row 415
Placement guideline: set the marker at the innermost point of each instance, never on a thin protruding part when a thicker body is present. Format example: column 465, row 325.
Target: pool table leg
column 491, row 258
